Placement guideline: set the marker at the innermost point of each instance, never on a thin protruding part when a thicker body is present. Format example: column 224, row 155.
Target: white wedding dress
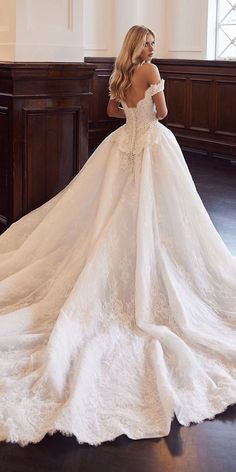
column 117, row 299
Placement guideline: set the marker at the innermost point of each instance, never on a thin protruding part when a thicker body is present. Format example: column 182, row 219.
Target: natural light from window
column 226, row 30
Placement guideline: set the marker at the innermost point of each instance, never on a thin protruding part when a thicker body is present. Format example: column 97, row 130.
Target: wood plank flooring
column 206, row 447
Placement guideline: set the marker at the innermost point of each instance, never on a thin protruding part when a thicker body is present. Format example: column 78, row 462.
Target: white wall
column 152, row 14
column 186, row 29
column 98, row 37
column 45, row 30
column 68, row 30
column 126, row 14
column 107, row 21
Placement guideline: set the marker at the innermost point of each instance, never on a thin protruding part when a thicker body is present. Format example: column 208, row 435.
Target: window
column 226, row 30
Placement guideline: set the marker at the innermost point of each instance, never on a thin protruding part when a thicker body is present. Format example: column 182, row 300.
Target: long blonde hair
column 127, row 60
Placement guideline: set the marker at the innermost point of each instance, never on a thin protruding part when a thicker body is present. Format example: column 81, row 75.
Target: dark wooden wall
column 100, row 125
column 201, row 98
column 43, row 132
column 50, row 113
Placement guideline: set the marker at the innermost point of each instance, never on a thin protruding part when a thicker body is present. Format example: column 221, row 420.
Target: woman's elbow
column 112, row 108
column 162, row 114
column 109, row 111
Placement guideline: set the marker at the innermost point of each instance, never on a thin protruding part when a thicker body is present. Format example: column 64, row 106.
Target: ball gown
column 117, row 298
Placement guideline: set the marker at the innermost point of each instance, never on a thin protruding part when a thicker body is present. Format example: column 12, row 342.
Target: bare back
column 139, row 85
column 143, row 76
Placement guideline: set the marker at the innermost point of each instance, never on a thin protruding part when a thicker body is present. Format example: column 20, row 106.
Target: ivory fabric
column 117, row 299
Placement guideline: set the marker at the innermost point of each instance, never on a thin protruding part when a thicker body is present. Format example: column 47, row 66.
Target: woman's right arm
column 114, row 110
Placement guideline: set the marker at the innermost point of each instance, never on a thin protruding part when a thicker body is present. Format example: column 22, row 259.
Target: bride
column 118, row 296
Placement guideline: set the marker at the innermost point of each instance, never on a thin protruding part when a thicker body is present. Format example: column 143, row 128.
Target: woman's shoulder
column 149, row 66
column 151, row 72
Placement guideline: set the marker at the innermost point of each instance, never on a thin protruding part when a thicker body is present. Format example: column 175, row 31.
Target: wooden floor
column 206, row 447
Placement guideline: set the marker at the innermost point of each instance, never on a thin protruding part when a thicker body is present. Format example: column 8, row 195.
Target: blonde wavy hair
column 127, row 60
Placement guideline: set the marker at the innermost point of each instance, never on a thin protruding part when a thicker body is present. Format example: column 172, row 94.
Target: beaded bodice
column 141, row 123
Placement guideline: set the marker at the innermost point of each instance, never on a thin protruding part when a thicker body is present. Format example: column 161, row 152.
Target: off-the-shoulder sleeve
column 155, row 88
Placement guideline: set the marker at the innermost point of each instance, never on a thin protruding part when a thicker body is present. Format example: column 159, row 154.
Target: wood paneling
column 201, row 99
column 226, row 107
column 51, row 156
column 44, row 139
column 200, row 108
column 44, row 111
column 177, row 93
column 208, row 106
column 100, row 125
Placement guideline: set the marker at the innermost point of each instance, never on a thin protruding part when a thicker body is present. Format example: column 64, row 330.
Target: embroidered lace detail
column 117, row 299
column 142, row 127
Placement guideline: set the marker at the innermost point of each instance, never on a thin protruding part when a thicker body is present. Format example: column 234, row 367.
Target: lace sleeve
column 155, row 88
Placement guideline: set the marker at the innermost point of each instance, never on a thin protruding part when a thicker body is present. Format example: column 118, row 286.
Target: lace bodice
column 141, row 123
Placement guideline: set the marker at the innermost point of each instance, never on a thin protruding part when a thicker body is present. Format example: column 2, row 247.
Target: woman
column 137, row 51
column 118, row 296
